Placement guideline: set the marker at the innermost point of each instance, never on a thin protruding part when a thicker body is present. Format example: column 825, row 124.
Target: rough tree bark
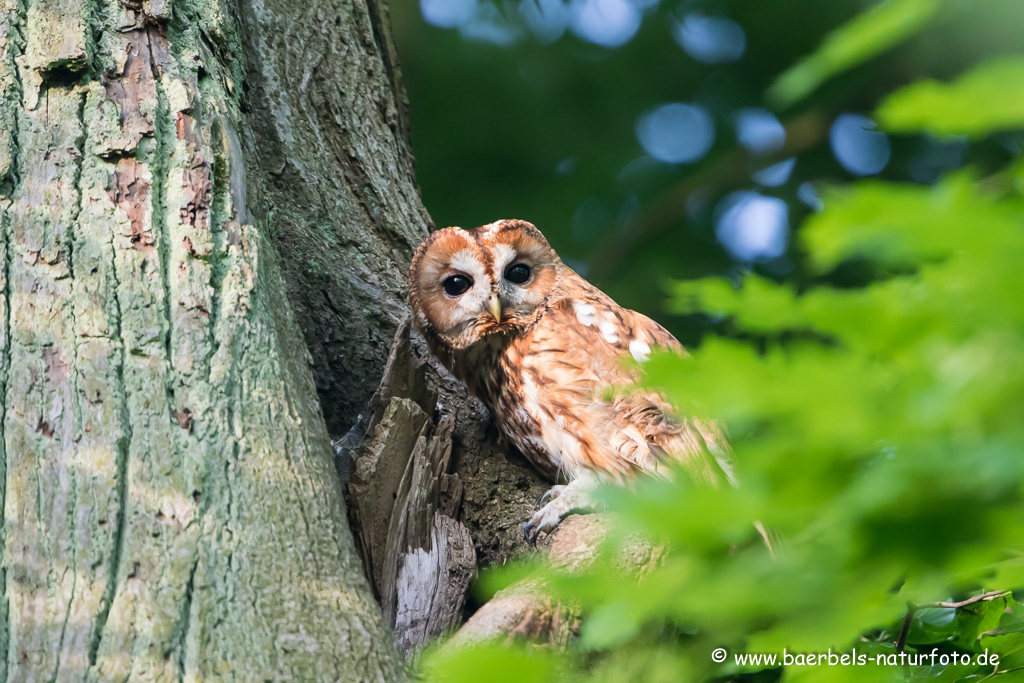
column 207, row 209
column 184, row 187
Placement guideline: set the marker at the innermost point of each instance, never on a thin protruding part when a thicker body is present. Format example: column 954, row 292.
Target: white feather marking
column 503, row 257
column 640, row 350
column 607, row 328
column 490, row 227
column 565, row 448
column 550, row 438
column 530, row 389
column 585, row 313
column 467, row 261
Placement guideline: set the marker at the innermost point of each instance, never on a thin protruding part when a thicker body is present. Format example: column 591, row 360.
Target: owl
column 552, row 357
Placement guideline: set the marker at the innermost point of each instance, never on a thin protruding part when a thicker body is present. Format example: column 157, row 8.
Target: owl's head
column 467, row 284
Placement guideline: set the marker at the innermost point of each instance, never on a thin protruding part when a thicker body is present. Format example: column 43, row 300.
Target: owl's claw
column 557, row 504
column 539, row 523
column 550, row 495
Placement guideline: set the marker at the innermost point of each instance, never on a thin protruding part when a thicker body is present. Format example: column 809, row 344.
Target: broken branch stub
column 404, row 501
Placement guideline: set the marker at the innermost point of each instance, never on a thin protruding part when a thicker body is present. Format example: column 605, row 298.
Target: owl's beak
column 495, row 307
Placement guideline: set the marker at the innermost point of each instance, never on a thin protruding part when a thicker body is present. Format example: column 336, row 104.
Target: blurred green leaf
column 987, row 99
column 496, row 663
column 870, row 383
column 610, row 624
column 869, row 34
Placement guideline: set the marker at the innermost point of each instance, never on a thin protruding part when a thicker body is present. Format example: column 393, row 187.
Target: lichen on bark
column 207, row 210
column 171, row 509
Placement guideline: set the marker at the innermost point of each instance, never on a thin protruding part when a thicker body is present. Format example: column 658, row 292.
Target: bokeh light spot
column 566, row 166
column 448, row 13
column 758, row 130
column 857, row 146
column 809, row 196
column 488, row 25
column 712, row 40
column 676, row 133
column 547, row 19
column 775, row 175
column 609, row 23
column 751, row 226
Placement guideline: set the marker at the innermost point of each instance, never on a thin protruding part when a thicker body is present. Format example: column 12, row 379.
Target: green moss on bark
column 169, row 475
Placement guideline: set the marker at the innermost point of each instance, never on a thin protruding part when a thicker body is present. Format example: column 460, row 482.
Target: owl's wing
column 575, row 372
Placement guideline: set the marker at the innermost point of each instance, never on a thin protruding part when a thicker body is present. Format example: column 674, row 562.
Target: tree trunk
column 199, row 201
column 206, row 214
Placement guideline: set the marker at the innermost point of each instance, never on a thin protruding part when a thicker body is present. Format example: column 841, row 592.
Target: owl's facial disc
column 523, row 272
column 469, row 285
column 466, row 286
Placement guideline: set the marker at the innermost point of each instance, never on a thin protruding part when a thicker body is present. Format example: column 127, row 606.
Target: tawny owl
column 549, row 354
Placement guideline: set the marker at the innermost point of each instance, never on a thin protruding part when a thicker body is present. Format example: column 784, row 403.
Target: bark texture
column 185, row 188
column 332, row 174
column 207, row 209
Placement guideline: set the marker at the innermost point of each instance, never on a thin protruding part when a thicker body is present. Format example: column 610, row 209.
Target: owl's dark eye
column 518, row 273
column 456, row 285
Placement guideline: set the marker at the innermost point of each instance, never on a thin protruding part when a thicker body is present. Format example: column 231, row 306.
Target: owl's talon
column 545, row 520
column 557, row 504
column 550, row 495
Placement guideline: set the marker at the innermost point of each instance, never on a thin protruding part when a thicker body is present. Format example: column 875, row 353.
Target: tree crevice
column 10, row 179
column 123, row 449
column 69, row 310
column 5, row 364
column 380, row 21
column 164, row 131
column 185, row 620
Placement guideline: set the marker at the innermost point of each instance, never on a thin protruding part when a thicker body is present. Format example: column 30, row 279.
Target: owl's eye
column 456, row 285
column 518, row 274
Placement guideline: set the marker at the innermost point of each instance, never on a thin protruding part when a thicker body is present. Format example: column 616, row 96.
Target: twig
column 988, row 596
column 1000, row 673
column 983, row 597
column 901, row 640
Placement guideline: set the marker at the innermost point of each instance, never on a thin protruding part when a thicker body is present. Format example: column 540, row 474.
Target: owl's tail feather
column 700, row 447
column 715, row 465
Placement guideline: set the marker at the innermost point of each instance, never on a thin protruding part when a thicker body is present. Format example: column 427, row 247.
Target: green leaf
column 974, row 620
column 868, row 34
column 899, row 225
column 1004, row 646
column 502, row 665
column 932, row 625
column 987, row 99
column 610, row 624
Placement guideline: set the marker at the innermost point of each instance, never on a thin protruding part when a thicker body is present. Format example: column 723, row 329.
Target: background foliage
column 861, row 339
